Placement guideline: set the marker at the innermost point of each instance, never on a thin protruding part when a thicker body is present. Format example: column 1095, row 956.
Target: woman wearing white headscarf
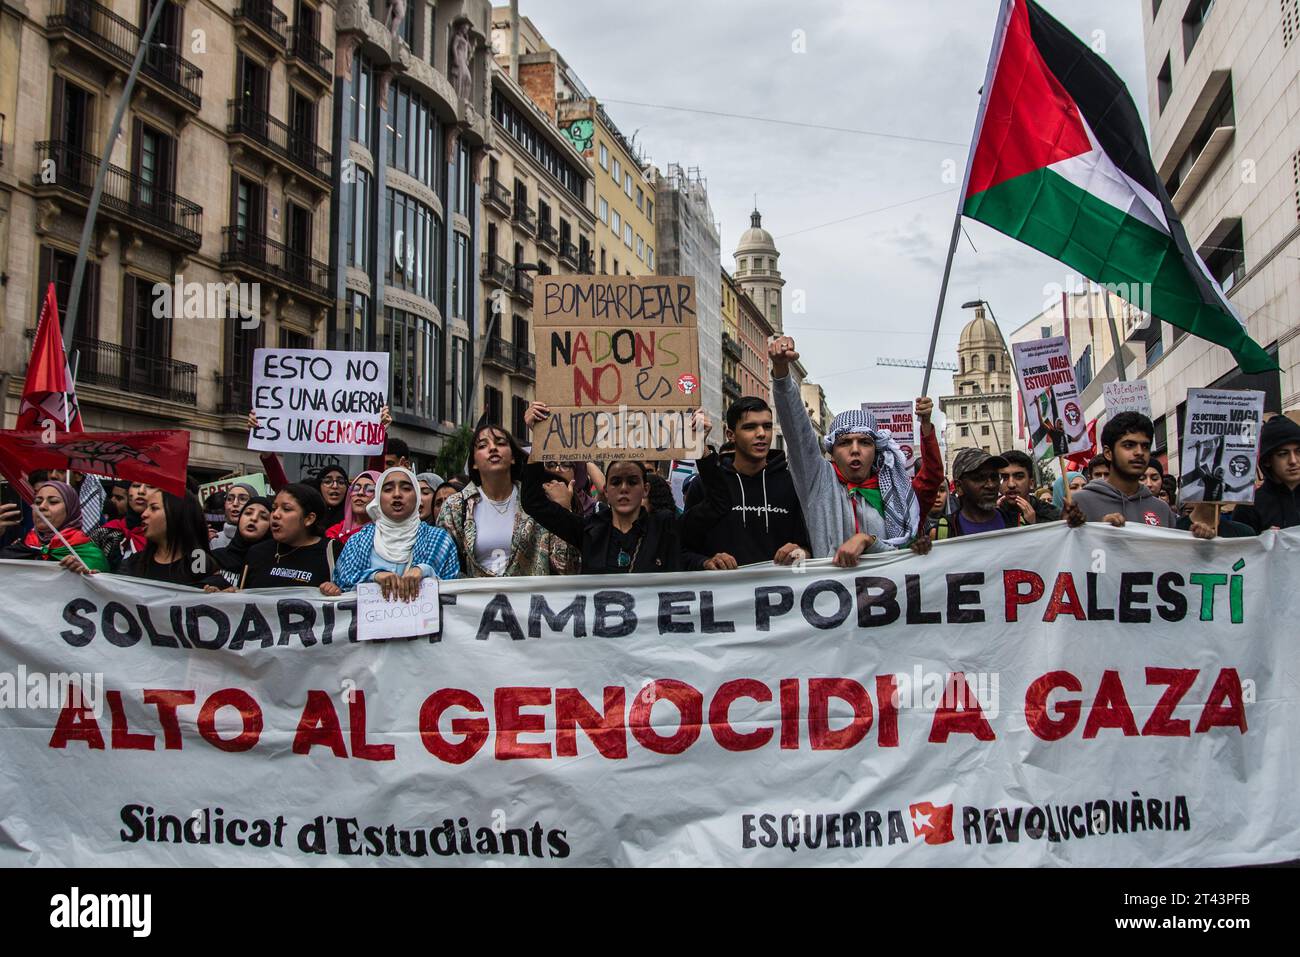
column 396, row 550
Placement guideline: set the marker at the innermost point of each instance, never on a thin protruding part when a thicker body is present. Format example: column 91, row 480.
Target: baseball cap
column 969, row 460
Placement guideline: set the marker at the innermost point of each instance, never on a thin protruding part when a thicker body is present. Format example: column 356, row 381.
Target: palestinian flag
column 1060, row 162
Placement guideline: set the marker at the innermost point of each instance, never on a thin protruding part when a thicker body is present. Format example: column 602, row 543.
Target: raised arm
column 552, row 517
column 802, row 447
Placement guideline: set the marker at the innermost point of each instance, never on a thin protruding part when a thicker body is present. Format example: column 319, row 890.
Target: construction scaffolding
column 689, row 244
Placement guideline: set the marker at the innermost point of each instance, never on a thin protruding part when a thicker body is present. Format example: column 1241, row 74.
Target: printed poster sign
column 618, row 363
column 1050, row 396
column 897, row 417
column 1220, row 446
column 318, row 400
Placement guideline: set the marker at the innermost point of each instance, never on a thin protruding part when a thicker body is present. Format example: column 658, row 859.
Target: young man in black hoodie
column 764, row 522
column 1277, row 501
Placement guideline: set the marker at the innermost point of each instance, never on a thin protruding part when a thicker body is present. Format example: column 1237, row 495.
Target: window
column 627, row 184
column 360, row 94
column 617, row 224
column 57, row 267
column 519, row 408
column 517, row 126
column 412, row 364
column 1222, row 113
column 984, row 430
column 640, row 199
column 992, row 363
column 1164, row 84
column 155, row 166
column 459, row 380
column 72, row 115
column 604, row 156
column 462, row 280
column 358, row 251
column 650, row 210
column 602, row 260
column 1226, row 259
column 148, row 338
column 291, row 339
column 604, row 211
column 1193, row 21
column 627, row 235
column 618, row 172
column 1044, row 332
column 640, row 248
column 412, row 131
column 462, row 181
column 353, row 332
column 984, row 409
column 414, row 242
column 650, row 256
column 965, row 431
column 962, row 414
column 492, row 405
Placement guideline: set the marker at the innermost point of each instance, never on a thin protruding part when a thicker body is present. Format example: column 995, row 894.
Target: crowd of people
column 842, row 496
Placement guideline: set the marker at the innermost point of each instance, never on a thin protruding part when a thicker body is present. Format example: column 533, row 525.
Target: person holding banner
column 297, row 553
column 495, row 537
column 254, row 524
column 360, row 494
column 396, row 550
column 1123, row 495
column 1277, row 501
column 864, row 499
column 57, row 535
column 176, row 542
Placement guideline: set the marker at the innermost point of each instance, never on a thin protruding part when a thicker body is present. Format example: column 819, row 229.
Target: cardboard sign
column 304, row 466
column 618, row 362
column 1051, row 397
column 378, row 618
column 257, row 480
column 897, row 418
column 315, row 400
column 1220, row 446
column 1126, row 397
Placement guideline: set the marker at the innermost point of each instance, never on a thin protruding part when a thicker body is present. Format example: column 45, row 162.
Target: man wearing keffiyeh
column 862, row 499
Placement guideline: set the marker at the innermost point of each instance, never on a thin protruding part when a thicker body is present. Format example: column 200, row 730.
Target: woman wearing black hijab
column 254, row 526
column 332, row 482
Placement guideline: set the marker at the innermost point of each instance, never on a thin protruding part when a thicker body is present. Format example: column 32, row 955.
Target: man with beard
column 1124, row 495
column 764, row 522
column 979, row 477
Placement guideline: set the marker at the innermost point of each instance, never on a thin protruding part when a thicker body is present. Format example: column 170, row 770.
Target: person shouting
column 253, row 526
column 864, row 499
column 237, row 496
column 57, row 534
column 397, row 550
column 297, row 553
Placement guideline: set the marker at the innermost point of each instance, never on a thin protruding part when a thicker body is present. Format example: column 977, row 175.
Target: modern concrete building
column 1224, row 101
column 412, row 124
column 220, row 180
column 689, row 245
column 979, row 411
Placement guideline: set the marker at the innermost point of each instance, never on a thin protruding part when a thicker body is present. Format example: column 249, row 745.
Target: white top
column 494, row 524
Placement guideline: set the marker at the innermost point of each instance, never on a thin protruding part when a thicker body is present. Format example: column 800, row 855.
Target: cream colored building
column 221, row 177
column 819, row 411
column 1224, row 104
column 979, row 411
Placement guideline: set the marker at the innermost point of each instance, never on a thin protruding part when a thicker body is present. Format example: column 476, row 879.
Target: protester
column 980, row 508
column 1059, row 486
column 864, row 499
column 587, row 479
column 1168, row 491
column 625, row 537
column 1154, row 475
column 297, row 553
column 237, row 496
column 176, row 542
column 429, row 482
column 396, row 550
column 1277, row 501
column 116, row 505
column 763, row 521
column 1077, row 481
column 443, row 492
column 1124, row 494
column 360, row 494
column 1098, row 468
column 1017, row 479
column 131, row 525
column 938, row 522
column 332, row 483
column 58, row 507
column 397, row 454
column 493, row 535
column 253, row 525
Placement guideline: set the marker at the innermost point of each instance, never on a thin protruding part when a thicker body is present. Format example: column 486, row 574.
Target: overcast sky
column 909, row 69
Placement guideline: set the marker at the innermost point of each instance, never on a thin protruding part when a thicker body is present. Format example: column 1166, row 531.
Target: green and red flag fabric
column 1060, row 161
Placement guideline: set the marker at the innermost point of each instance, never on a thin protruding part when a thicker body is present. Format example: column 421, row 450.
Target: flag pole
column 1115, row 343
column 71, row 551
column 92, row 210
column 995, row 51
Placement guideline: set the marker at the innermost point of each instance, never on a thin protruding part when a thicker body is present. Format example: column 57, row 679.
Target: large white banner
column 1048, row 696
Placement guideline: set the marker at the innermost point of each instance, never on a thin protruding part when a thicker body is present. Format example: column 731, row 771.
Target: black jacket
column 760, row 512
column 1276, row 506
column 1043, row 511
column 661, row 550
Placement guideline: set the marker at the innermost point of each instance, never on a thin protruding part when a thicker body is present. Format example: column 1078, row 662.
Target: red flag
column 48, row 392
column 156, row 458
column 1081, row 459
column 934, row 823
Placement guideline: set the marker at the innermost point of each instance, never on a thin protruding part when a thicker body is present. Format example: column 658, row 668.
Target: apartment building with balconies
column 216, row 200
